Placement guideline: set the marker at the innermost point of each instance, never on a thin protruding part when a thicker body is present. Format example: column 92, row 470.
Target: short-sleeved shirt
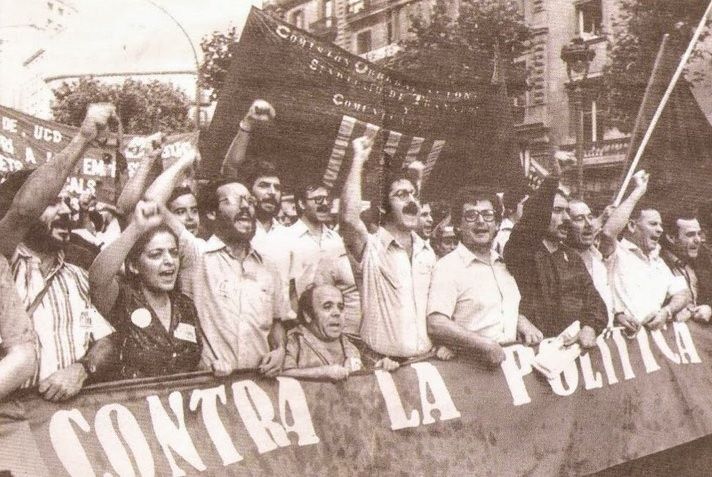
column 395, row 295
column 237, row 300
column 480, row 296
column 15, row 325
column 304, row 350
column 147, row 348
column 307, row 252
column 601, row 271
column 65, row 321
column 274, row 245
column 642, row 283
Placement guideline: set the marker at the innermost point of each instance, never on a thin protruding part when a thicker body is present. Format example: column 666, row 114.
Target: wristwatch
column 90, row 369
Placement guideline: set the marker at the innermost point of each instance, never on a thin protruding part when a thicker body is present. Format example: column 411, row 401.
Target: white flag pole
column 661, row 106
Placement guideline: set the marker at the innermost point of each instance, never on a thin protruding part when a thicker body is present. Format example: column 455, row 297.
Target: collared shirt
column 15, row 325
column 478, row 295
column 65, row 321
column 307, row 252
column 394, row 295
column 684, row 269
column 147, row 347
column 304, row 350
column 237, row 300
column 500, row 240
column 600, row 270
column 275, row 245
column 642, row 283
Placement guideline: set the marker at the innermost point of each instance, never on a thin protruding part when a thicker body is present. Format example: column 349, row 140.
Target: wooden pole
column 661, row 106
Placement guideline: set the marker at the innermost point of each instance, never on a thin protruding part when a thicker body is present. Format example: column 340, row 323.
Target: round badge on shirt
column 141, row 317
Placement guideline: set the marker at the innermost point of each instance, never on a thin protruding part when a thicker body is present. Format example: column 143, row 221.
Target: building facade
column 546, row 115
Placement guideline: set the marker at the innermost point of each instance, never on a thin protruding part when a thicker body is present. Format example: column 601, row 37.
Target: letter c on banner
column 132, row 434
column 66, row 443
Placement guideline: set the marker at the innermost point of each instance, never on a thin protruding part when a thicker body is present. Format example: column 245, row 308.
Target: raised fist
column 147, row 215
column 261, row 112
column 362, row 147
column 96, row 120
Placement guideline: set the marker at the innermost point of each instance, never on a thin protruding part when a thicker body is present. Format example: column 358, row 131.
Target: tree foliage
column 144, row 108
column 638, row 29
column 461, row 50
column 217, row 55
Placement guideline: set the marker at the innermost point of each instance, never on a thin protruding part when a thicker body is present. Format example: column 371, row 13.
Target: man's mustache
column 62, row 222
column 323, row 209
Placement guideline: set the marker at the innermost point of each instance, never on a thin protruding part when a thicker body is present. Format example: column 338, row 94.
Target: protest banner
column 27, row 142
column 325, row 97
column 621, row 401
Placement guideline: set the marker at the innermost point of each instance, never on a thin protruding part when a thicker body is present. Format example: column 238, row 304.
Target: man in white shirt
column 474, row 301
column 645, row 291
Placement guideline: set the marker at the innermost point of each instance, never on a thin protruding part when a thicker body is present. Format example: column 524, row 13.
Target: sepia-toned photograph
column 355, row 238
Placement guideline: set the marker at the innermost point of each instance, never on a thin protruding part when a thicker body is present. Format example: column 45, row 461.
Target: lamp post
column 198, row 90
column 578, row 56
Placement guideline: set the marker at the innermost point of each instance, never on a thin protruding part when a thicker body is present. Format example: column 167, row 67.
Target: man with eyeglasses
column 555, row 286
column 473, row 302
column 237, row 292
column 312, row 243
column 395, row 262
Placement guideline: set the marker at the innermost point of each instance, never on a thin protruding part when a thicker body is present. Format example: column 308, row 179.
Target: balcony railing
column 356, row 9
column 324, row 27
column 381, row 53
column 599, row 153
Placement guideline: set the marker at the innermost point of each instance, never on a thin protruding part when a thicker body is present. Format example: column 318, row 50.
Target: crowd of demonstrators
column 237, row 275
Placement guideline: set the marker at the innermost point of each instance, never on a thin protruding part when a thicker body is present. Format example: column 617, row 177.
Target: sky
column 107, row 36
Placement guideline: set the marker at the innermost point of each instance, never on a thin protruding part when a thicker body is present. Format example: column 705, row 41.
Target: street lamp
column 195, row 58
column 578, row 56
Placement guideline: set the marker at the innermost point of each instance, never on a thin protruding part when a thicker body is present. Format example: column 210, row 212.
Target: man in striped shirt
column 74, row 341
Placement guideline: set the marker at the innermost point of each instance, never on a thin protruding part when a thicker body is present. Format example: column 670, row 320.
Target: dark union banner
column 625, row 399
column 325, row 97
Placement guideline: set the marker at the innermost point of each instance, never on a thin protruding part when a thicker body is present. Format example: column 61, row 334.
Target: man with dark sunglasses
column 473, row 302
column 312, row 243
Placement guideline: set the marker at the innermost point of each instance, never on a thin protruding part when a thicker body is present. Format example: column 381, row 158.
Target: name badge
column 85, row 319
column 185, row 332
column 141, row 317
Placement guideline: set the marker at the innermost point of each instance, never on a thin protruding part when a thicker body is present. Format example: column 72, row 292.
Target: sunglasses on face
column 319, row 200
column 238, row 200
column 472, row 215
column 404, row 194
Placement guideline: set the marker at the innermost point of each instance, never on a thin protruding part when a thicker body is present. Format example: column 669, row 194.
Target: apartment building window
column 589, row 17
column 297, row 18
column 355, row 6
column 592, row 121
column 363, row 42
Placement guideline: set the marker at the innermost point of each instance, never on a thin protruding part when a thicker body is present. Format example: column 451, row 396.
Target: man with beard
column 236, row 291
column 645, row 291
column 73, row 336
column 425, row 223
column 473, row 302
column 682, row 251
column 555, row 286
column 395, row 262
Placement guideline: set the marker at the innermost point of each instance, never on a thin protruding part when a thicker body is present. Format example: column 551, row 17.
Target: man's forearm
column 445, row 331
column 16, row 367
column 147, row 171
column 351, row 194
column 102, row 356
column 620, row 216
column 679, row 301
column 277, row 335
column 319, row 372
column 236, row 154
column 46, row 182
